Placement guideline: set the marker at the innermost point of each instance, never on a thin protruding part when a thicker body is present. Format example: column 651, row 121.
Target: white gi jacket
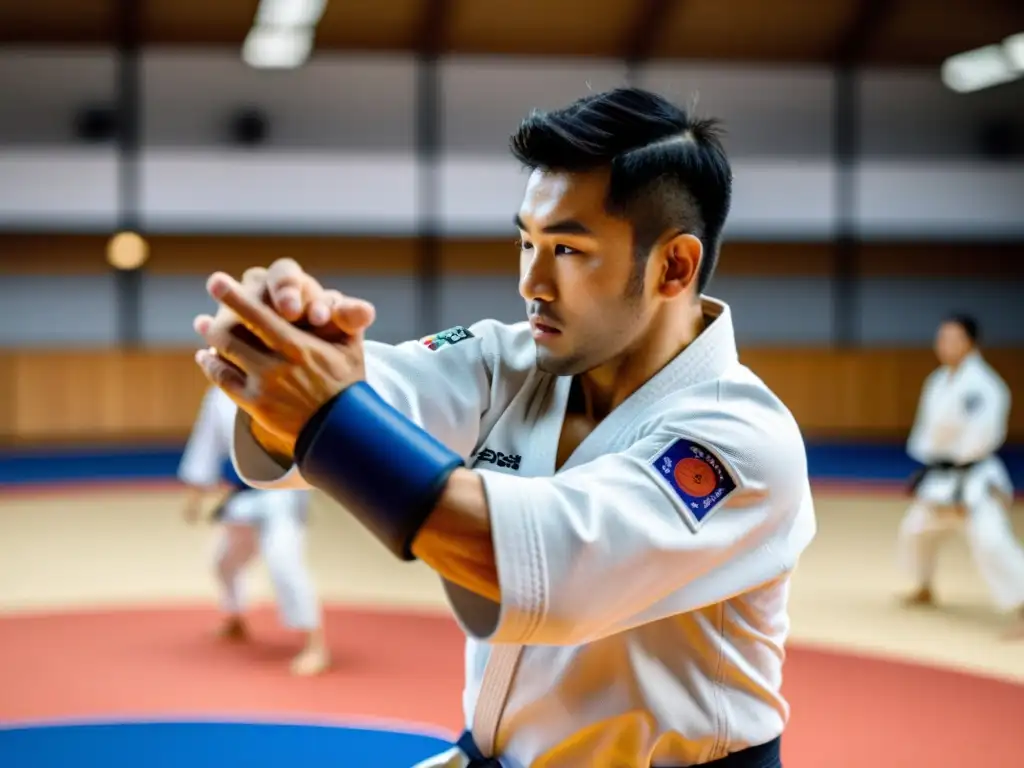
column 962, row 418
column 644, row 585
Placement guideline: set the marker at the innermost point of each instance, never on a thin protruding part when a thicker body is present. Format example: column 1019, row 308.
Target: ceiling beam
column 431, row 32
column 643, row 34
column 858, row 35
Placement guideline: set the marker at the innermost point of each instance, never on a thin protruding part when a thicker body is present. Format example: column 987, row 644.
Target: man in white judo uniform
column 614, row 502
column 271, row 522
column 961, row 422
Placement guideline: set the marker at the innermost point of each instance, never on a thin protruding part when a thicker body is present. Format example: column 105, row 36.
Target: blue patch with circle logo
column 697, row 476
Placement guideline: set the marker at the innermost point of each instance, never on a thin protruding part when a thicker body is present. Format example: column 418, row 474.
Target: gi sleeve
column 986, row 415
column 208, row 445
column 444, row 383
column 920, row 446
column 691, row 515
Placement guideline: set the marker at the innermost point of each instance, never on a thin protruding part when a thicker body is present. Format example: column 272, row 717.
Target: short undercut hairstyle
column 968, row 323
column 669, row 170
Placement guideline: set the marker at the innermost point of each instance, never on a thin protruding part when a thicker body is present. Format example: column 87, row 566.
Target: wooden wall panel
column 8, row 406
column 183, row 254
column 109, row 396
column 203, row 254
column 988, row 260
column 776, row 259
column 53, row 254
column 841, row 393
column 865, row 393
column 101, row 396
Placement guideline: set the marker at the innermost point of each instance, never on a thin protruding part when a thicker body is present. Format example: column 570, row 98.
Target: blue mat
column 103, row 465
column 882, row 463
column 49, row 466
column 223, row 745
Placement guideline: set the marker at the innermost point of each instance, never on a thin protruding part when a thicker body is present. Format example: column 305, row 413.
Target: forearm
column 978, row 442
column 260, row 465
column 280, row 450
column 455, row 541
column 917, row 446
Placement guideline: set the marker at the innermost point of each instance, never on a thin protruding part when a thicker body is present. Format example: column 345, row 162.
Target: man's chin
column 558, row 365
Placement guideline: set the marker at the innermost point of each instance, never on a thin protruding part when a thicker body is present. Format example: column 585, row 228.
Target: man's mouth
column 542, row 328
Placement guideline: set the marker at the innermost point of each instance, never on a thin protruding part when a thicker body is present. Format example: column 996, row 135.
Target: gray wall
column 341, row 152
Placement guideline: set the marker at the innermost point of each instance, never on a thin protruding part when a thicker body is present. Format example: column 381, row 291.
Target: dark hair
column 968, row 323
column 669, row 170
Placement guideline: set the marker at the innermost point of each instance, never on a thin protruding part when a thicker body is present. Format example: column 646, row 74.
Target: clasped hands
column 281, row 346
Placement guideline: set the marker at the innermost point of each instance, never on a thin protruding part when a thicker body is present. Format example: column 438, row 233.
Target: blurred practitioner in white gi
column 961, row 422
column 270, row 522
column 615, row 503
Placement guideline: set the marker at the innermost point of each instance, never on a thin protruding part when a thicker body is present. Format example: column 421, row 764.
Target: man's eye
column 523, row 245
column 564, row 250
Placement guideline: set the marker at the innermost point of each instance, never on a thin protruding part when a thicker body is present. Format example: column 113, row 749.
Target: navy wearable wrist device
column 388, row 472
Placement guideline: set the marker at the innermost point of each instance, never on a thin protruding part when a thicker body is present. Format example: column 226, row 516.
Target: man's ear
column 681, row 257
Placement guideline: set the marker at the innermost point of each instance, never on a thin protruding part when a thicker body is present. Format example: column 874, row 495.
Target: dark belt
column 762, row 756
column 942, row 466
column 237, row 487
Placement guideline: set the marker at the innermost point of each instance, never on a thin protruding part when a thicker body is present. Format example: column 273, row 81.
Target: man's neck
column 956, row 366
column 606, row 387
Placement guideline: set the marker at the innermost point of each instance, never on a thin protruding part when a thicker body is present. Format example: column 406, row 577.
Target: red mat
column 848, row 711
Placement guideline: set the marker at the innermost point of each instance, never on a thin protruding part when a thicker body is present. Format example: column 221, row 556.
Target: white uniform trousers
column 272, row 523
column 996, row 550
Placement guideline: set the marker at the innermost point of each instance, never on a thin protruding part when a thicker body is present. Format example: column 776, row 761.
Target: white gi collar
column 714, row 350
column 971, row 361
column 706, row 358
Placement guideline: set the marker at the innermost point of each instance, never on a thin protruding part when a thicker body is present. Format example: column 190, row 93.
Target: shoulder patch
column 447, row 337
column 697, row 476
column 972, row 402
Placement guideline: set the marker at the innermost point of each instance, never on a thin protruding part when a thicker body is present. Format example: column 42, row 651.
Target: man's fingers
column 351, row 315
column 240, row 347
column 319, row 310
column 289, row 288
column 255, row 279
column 221, row 373
column 202, row 324
column 294, row 296
column 337, row 317
column 266, row 324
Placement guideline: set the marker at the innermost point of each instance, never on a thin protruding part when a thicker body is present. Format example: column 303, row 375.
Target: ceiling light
column 1013, row 48
column 978, row 69
column 277, row 47
column 290, row 13
column 127, row 250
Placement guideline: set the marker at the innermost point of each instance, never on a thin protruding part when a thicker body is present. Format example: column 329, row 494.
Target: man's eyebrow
column 565, row 227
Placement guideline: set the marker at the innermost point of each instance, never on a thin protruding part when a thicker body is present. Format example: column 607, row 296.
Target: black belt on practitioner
column 762, row 756
column 237, row 487
column 942, row 466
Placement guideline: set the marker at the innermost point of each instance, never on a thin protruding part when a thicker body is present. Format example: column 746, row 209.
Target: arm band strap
column 388, row 472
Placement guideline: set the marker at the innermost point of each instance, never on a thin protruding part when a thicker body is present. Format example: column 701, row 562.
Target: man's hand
column 298, row 298
column 279, row 374
column 193, row 508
